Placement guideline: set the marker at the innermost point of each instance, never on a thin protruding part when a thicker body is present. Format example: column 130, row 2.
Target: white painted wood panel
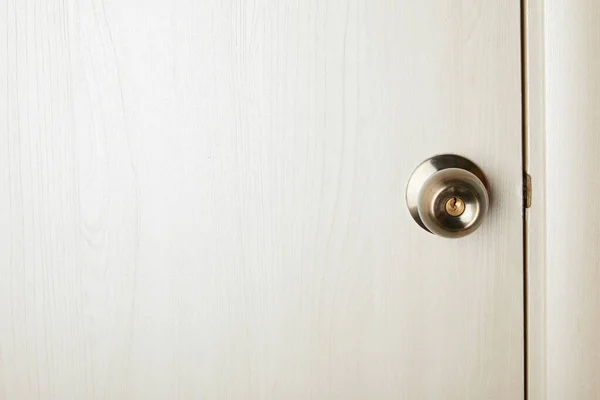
column 572, row 297
column 205, row 199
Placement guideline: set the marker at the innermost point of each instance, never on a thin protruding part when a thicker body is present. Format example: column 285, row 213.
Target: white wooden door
column 205, row 200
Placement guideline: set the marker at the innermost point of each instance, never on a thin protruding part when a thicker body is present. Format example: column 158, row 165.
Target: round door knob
column 447, row 195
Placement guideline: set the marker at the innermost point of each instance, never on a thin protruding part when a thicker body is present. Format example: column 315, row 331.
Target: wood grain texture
column 573, row 214
column 205, row 199
column 535, row 160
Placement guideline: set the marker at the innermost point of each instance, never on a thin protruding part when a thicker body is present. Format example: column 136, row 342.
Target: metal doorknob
column 447, row 195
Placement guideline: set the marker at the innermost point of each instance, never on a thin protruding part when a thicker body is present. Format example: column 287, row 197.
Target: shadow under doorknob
column 447, row 195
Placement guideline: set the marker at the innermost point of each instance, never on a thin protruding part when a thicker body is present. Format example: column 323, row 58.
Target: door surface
column 205, row 200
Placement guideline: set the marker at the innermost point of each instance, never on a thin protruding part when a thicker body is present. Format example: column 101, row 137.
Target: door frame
column 561, row 96
column 534, row 162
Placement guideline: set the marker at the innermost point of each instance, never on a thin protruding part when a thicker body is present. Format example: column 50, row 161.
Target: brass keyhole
column 455, row 206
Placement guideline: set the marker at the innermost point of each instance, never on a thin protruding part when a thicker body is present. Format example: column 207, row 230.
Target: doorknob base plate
column 429, row 167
